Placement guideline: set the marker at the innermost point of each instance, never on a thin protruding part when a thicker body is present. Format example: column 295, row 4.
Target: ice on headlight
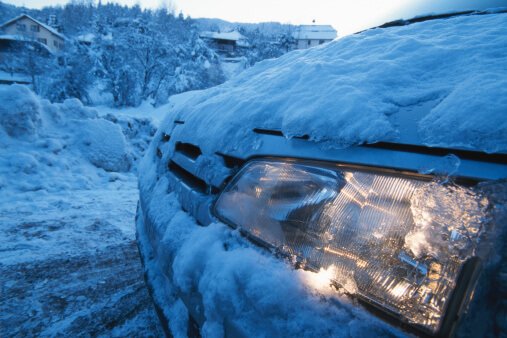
column 448, row 221
column 396, row 241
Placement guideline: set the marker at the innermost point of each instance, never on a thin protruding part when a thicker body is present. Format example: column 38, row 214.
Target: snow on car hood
column 362, row 88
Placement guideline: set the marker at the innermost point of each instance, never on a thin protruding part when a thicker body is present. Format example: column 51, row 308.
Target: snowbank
column 104, row 145
column 19, row 112
column 342, row 93
column 53, row 147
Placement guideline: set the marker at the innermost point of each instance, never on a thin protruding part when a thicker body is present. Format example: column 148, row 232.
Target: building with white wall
column 308, row 36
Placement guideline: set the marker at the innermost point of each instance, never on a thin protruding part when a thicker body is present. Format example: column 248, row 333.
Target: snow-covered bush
column 104, row 145
column 73, row 108
column 138, row 132
column 19, row 111
column 64, row 146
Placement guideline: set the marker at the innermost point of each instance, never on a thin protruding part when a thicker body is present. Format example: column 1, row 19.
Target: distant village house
column 308, row 36
column 26, row 28
column 226, row 42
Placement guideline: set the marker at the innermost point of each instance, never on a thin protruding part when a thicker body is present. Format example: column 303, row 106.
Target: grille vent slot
column 232, row 162
column 278, row 133
column 462, row 154
column 268, row 132
column 192, row 181
column 189, row 150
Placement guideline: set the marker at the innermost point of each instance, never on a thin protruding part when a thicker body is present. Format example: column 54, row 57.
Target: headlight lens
column 380, row 233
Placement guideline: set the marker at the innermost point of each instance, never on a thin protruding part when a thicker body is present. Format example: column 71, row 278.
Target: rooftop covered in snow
column 231, row 36
column 226, row 41
column 315, row 32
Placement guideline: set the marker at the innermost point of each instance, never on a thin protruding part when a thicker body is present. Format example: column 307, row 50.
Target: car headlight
column 398, row 241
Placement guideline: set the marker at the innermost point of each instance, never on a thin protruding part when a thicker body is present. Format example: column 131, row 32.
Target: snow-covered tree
column 130, row 53
column 71, row 74
column 31, row 58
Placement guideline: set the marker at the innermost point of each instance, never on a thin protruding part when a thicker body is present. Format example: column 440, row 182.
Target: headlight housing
column 398, row 241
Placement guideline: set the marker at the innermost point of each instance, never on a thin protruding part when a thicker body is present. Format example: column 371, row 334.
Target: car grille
column 189, row 182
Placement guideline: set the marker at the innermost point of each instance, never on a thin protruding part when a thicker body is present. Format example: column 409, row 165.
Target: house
column 308, row 36
column 225, row 42
column 24, row 28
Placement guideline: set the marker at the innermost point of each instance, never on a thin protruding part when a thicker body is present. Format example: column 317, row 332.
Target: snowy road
column 70, row 266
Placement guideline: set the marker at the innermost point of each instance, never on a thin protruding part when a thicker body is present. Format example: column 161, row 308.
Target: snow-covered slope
column 343, row 93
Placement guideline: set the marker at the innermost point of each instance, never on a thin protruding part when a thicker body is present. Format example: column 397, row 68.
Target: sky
column 346, row 16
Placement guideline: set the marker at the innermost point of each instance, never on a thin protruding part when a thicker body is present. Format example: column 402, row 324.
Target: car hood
column 439, row 83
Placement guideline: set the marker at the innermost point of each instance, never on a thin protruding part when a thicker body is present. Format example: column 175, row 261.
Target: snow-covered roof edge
column 51, row 29
column 233, row 35
column 15, row 37
column 24, row 38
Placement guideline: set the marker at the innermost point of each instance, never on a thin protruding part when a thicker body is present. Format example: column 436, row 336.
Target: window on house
column 21, row 27
column 309, row 42
column 55, row 43
column 34, row 28
column 42, row 40
column 321, row 42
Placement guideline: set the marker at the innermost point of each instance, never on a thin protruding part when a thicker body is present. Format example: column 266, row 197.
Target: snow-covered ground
column 69, row 263
column 233, row 66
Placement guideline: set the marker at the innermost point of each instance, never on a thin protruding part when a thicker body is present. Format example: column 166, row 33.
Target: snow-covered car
column 353, row 189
